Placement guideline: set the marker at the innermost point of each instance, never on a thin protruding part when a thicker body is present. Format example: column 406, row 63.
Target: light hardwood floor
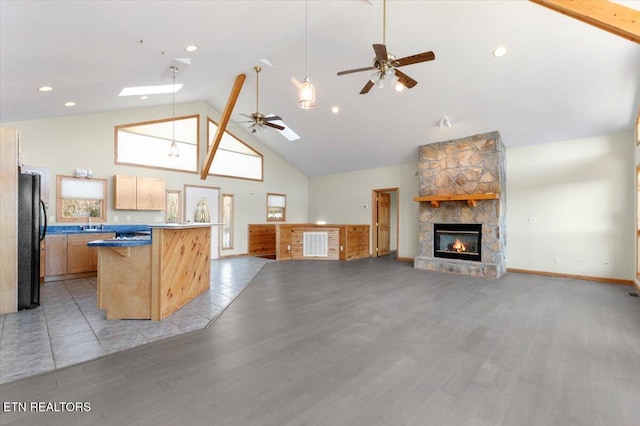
column 372, row 342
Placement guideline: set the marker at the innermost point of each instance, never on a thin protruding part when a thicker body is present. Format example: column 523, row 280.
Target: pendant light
column 174, row 152
column 307, row 91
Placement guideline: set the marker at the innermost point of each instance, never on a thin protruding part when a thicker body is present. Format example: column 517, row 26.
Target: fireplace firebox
column 458, row 241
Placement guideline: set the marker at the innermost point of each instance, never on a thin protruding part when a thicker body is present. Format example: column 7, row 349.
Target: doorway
column 385, row 222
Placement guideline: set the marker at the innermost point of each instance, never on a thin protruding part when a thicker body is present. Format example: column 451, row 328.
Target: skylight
column 287, row 132
column 150, row 90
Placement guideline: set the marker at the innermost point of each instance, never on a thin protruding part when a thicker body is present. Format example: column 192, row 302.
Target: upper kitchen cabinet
column 138, row 193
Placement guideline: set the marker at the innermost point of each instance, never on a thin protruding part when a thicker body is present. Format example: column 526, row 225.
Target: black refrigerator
column 32, row 227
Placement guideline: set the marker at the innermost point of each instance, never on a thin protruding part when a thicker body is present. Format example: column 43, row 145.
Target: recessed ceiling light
column 335, row 109
column 69, row 104
column 144, row 97
column 45, row 88
column 191, row 48
column 150, row 90
column 499, row 52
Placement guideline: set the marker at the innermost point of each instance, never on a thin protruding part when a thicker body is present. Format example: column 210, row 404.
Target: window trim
column 162, row 120
column 284, row 209
column 209, row 136
column 84, row 219
column 231, row 224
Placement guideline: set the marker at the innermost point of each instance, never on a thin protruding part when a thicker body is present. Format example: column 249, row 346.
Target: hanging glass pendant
column 307, row 95
column 174, row 151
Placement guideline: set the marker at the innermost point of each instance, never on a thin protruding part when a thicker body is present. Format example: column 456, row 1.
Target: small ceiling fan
column 386, row 65
column 258, row 120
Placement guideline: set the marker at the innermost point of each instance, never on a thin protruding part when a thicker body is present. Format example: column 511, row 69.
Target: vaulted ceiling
column 561, row 78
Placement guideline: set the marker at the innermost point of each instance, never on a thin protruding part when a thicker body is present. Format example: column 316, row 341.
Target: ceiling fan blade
column 405, row 80
column 367, row 87
column 275, row 126
column 381, row 52
column 356, row 70
column 415, row 59
column 274, row 118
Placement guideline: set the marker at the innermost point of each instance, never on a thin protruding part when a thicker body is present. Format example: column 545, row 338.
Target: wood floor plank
column 372, row 342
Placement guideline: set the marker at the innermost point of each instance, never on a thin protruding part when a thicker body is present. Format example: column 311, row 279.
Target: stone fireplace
column 463, row 206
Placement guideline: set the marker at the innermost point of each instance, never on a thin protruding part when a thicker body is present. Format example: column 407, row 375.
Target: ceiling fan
column 258, row 120
column 386, row 65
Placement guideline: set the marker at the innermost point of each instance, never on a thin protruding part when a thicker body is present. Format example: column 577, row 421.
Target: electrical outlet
column 533, row 219
column 556, row 260
column 606, row 263
column 136, row 219
column 128, row 218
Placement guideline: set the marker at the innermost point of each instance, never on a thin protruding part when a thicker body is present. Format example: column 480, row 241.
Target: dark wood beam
column 609, row 16
column 224, row 119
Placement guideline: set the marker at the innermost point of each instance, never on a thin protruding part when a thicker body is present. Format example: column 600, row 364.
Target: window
column 227, row 220
column 79, row 199
column 276, row 207
column 233, row 158
column 148, row 144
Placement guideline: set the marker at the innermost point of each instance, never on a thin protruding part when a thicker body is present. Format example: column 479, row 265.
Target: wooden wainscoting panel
column 356, row 243
column 262, row 239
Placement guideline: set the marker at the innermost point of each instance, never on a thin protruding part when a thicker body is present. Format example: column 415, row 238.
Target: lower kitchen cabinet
column 69, row 254
column 55, row 257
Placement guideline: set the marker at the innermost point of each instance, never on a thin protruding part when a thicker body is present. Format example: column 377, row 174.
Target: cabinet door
column 156, row 194
column 78, row 254
column 124, row 192
column 150, row 193
column 80, row 257
column 55, row 255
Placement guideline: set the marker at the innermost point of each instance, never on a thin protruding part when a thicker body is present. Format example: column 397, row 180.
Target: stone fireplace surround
column 468, row 166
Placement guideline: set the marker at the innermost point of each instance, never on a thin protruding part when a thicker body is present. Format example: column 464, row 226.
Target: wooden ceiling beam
column 224, row 119
column 606, row 15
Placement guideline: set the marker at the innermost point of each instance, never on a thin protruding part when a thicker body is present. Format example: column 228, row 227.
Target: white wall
column 87, row 142
column 570, row 207
column 340, row 198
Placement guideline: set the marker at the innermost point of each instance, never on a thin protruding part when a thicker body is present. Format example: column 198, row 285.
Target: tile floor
column 68, row 328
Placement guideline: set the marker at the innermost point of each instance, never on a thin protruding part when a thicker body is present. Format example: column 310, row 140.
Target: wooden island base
column 153, row 279
column 124, row 282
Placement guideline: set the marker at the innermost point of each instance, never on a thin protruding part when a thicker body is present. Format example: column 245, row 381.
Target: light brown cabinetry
column 55, row 257
column 138, row 193
column 150, row 193
column 124, row 196
column 9, row 220
column 69, row 254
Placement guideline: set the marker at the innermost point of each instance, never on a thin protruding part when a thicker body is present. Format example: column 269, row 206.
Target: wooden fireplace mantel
column 471, row 199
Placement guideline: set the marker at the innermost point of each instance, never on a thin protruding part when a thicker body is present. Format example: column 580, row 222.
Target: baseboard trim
column 230, row 256
column 575, row 277
column 637, row 284
column 405, row 259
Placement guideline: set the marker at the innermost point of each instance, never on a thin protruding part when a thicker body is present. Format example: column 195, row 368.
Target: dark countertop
column 121, row 242
column 79, row 229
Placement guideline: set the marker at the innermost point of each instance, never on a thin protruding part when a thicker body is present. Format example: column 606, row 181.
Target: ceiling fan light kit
column 385, row 65
column 259, row 121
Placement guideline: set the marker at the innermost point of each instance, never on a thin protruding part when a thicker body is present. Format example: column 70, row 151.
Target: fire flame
column 458, row 246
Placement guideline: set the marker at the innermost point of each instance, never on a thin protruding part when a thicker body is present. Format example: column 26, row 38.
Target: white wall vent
column 315, row 244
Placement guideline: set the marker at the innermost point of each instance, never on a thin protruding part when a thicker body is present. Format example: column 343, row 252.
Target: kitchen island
column 151, row 278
